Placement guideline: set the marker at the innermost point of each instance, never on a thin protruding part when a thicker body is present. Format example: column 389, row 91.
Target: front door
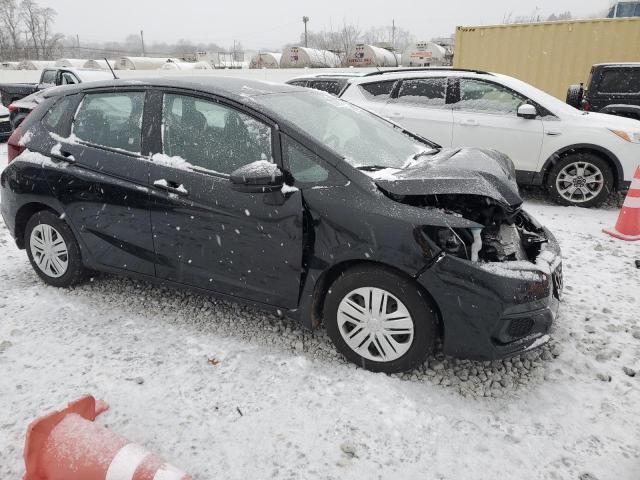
column 485, row 117
column 207, row 235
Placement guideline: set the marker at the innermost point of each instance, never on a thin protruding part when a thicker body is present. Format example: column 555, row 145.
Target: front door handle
column 470, row 122
column 173, row 187
column 395, row 115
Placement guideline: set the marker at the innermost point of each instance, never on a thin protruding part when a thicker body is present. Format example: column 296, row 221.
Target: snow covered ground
column 227, row 391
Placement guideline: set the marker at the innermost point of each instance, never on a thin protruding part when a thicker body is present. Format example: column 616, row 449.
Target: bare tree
column 30, row 13
column 10, row 22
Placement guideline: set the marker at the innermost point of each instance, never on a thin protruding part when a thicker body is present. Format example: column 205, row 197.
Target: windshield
column 363, row 139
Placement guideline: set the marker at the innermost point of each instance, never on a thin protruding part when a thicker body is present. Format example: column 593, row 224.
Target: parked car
column 5, row 125
column 289, row 199
column 19, row 109
column 50, row 77
column 580, row 157
column 332, row 83
column 612, row 88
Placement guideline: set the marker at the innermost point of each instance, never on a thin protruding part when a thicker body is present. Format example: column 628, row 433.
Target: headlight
column 454, row 241
column 633, row 137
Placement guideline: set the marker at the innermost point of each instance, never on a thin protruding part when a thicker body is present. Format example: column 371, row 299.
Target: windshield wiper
column 426, row 152
column 372, row 168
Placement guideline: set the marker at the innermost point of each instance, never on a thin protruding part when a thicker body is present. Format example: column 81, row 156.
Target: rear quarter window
column 379, row 91
column 54, row 118
column 330, row 86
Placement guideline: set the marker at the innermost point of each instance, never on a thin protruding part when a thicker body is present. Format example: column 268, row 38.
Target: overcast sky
column 260, row 24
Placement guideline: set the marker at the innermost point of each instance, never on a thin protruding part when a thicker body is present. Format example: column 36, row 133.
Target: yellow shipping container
column 549, row 55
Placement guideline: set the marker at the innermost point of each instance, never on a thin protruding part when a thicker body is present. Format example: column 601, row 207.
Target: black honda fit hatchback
column 288, row 199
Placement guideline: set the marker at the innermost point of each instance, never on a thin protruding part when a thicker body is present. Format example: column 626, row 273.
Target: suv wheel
column 52, row 249
column 380, row 320
column 580, row 179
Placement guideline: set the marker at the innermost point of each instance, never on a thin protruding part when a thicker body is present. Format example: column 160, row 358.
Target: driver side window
column 486, row 97
column 212, row 136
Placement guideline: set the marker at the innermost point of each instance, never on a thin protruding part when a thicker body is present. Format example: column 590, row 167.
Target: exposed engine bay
column 508, row 233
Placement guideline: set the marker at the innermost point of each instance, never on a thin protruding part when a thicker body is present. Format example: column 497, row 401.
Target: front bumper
column 496, row 310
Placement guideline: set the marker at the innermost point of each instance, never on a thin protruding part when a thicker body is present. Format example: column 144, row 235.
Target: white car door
column 485, row 116
column 420, row 106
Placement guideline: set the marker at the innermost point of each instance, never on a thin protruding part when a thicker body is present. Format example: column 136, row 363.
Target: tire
column 574, row 95
column 418, row 320
column 44, row 232
column 566, row 174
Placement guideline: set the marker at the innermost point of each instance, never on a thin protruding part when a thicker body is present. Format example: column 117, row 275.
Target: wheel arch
column 330, row 275
column 25, row 212
column 605, row 154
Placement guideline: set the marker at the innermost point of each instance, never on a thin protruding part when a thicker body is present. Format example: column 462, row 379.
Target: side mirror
column 257, row 177
column 527, row 111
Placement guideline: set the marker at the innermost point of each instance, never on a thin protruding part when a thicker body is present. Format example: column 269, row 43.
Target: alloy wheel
column 579, row 182
column 375, row 324
column 49, row 250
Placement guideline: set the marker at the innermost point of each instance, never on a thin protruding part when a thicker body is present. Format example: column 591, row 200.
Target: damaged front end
column 498, row 278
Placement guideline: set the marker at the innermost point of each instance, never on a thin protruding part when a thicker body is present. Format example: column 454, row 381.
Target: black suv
column 289, row 199
column 612, row 88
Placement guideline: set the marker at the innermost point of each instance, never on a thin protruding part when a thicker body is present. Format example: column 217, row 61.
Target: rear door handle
column 62, row 156
column 173, row 187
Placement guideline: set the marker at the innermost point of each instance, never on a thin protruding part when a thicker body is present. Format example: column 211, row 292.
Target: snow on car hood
column 469, row 171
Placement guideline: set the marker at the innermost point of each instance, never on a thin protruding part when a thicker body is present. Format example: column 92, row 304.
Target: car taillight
column 13, row 108
column 15, row 148
column 586, row 106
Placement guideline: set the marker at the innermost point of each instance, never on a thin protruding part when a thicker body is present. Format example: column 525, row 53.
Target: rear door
column 205, row 234
column 420, row 105
column 485, row 116
column 103, row 183
column 615, row 85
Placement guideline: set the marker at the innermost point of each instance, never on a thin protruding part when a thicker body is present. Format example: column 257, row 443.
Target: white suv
column 579, row 156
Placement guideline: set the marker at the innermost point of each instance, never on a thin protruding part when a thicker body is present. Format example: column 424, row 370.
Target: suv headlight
column 633, row 137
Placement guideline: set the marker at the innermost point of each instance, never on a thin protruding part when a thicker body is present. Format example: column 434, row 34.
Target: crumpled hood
column 470, row 171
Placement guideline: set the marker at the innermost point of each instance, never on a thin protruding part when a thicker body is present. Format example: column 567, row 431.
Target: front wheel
column 380, row 320
column 580, row 179
column 53, row 251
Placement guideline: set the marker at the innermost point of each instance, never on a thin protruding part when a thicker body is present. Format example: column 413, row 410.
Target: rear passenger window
column 48, row 77
column 111, row 120
column 377, row 90
column 212, row 136
column 429, row 92
column 620, row 81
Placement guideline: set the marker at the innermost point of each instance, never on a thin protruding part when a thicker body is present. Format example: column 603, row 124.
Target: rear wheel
column 52, row 249
column 580, row 179
column 380, row 320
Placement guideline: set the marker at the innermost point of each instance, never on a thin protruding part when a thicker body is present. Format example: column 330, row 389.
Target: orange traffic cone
column 67, row 445
column 628, row 225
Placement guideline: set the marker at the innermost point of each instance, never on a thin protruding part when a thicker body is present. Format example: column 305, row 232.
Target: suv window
column 620, row 81
column 111, row 120
column 49, row 77
column 487, row 97
column 298, row 83
column 329, row 86
column 378, row 90
column 212, row 136
column 68, row 79
column 425, row 92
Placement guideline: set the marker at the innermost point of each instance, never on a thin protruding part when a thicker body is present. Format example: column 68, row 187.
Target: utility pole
column 142, row 39
column 393, row 34
column 305, row 20
column 77, row 46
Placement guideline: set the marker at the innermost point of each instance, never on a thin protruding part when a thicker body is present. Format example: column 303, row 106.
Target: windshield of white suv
column 363, row 139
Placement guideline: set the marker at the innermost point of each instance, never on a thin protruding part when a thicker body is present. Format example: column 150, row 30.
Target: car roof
column 329, row 76
column 619, row 64
column 235, row 88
